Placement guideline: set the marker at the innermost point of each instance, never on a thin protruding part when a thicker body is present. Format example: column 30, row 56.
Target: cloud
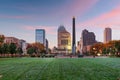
column 108, row 19
column 14, row 17
column 49, row 29
column 62, row 12
column 66, row 11
column 77, row 7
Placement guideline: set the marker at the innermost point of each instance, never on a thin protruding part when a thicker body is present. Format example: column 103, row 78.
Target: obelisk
column 73, row 37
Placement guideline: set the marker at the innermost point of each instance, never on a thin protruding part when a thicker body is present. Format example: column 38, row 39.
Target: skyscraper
column 40, row 36
column 87, row 39
column 73, row 37
column 64, row 40
column 107, row 35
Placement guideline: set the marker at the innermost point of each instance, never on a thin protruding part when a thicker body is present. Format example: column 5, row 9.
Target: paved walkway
column 81, row 57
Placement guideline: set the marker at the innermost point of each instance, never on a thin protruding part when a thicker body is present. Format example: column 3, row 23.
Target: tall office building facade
column 107, row 35
column 40, row 36
column 87, row 39
column 64, row 40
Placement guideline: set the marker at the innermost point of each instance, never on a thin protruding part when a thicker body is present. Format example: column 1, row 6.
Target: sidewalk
column 80, row 57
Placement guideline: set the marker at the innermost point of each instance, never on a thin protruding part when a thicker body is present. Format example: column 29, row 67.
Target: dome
column 61, row 28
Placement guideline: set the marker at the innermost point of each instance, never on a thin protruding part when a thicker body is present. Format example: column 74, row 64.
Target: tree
column 1, row 42
column 1, row 50
column 1, row 39
column 30, row 50
column 12, row 48
column 19, row 51
column 5, row 48
column 117, row 47
column 96, row 48
column 38, row 47
column 104, row 50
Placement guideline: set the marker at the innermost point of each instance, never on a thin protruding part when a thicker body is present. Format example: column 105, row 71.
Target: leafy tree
column 12, row 48
column 5, row 48
column 19, row 51
column 30, row 50
column 29, row 46
column 117, row 47
column 38, row 47
column 104, row 51
column 1, row 50
column 112, row 47
column 1, row 39
column 96, row 48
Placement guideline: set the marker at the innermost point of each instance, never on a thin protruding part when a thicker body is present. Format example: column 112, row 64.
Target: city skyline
column 20, row 18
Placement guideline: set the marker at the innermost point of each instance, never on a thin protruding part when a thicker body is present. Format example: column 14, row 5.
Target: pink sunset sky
column 20, row 18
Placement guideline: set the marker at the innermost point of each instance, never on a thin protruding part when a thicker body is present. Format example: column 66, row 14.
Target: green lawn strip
column 17, row 70
column 56, row 70
column 68, row 70
column 51, row 72
column 35, row 71
column 72, row 71
column 6, row 67
column 23, row 73
column 96, row 71
column 20, row 67
column 8, row 64
column 43, row 69
column 112, row 62
column 62, row 65
column 60, row 69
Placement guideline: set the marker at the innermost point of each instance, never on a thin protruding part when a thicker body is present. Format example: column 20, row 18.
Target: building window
column 64, row 42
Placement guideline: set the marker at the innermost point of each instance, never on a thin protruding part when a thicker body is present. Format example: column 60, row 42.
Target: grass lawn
column 60, row 69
